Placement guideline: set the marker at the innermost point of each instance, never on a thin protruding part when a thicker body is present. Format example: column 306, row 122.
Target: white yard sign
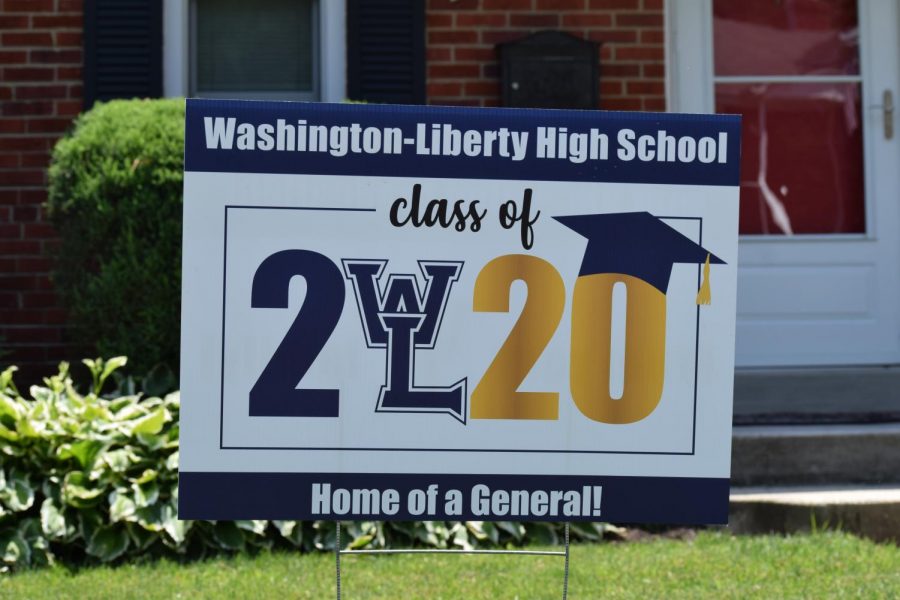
column 411, row 313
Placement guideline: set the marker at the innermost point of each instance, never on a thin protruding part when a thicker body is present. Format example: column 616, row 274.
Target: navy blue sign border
column 222, row 445
column 673, row 500
column 199, row 158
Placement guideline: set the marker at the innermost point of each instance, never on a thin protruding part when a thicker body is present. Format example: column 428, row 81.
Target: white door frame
column 865, row 264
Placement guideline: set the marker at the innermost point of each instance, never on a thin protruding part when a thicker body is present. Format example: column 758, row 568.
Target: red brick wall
column 462, row 58
column 40, row 93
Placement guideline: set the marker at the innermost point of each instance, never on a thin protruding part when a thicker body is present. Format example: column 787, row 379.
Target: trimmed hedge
column 89, row 479
column 115, row 197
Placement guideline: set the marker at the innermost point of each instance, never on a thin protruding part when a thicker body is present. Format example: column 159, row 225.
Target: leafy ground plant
column 83, row 474
column 87, row 478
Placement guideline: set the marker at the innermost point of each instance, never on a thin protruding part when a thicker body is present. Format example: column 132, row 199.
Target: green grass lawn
column 714, row 565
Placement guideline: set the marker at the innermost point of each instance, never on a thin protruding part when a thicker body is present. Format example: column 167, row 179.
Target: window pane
column 801, row 163
column 262, row 46
column 785, row 37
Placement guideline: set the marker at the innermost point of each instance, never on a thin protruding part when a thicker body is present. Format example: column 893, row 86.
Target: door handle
column 887, row 113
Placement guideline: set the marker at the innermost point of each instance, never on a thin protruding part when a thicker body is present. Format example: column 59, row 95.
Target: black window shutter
column 122, row 49
column 386, row 51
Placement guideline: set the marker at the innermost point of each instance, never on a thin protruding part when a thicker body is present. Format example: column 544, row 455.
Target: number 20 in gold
column 496, row 395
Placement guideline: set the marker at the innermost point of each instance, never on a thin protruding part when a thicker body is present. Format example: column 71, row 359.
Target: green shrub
column 115, row 198
column 86, row 478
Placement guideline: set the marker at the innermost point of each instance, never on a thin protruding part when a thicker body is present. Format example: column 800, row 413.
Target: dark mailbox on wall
column 550, row 69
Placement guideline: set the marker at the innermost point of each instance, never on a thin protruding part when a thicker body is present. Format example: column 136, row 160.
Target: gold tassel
column 704, row 296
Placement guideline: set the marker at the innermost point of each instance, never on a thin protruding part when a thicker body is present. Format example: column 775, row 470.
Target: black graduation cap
column 637, row 244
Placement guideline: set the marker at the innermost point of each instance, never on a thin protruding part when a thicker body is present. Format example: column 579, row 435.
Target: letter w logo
column 401, row 318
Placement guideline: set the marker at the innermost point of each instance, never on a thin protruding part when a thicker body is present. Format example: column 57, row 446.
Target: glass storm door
column 815, row 80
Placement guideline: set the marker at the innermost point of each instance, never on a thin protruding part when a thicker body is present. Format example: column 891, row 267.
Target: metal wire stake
column 338, row 552
column 457, row 552
column 566, row 575
column 337, row 558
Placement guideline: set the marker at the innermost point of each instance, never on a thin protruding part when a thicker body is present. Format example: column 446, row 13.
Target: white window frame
column 331, row 51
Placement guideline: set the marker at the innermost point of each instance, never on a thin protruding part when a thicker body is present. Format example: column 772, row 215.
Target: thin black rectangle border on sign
column 222, row 446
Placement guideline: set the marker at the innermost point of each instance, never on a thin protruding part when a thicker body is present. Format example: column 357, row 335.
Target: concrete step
column 817, row 395
column 816, row 455
column 870, row 511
